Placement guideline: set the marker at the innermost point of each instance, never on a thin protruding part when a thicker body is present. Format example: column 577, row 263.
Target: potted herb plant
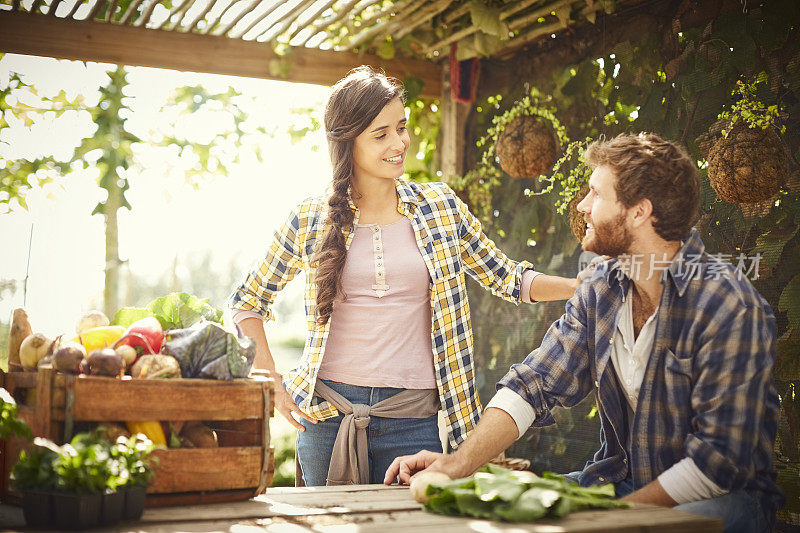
column 84, row 483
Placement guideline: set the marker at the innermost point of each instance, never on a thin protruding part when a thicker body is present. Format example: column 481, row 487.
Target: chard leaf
column 493, row 487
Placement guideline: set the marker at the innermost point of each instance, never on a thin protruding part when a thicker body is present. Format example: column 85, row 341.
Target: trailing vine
column 749, row 109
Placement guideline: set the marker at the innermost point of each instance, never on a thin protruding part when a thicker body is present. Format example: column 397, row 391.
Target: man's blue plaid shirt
column 708, row 389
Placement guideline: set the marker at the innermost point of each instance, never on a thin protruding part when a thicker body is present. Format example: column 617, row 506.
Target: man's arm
column 495, row 432
column 652, row 493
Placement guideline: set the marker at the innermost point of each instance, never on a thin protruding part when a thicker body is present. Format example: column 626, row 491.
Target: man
column 677, row 346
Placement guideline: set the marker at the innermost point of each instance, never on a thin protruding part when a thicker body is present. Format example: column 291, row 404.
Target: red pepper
column 145, row 335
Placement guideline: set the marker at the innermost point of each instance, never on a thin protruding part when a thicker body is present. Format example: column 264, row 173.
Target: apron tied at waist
column 349, row 460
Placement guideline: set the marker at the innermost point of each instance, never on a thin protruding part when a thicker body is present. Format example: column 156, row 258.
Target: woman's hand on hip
column 285, row 405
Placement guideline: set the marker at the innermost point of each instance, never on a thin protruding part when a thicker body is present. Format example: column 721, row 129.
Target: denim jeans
column 387, row 438
column 740, row 512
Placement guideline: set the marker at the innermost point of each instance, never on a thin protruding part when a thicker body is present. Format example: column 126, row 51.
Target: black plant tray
column 64, row 510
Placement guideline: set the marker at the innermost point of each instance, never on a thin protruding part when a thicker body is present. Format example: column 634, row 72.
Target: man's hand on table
column 407, row 466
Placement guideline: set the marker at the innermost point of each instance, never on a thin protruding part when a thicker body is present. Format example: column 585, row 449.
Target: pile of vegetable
column 178, row 335
column 497, row 493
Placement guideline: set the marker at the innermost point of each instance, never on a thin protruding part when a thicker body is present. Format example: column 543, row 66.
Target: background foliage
column 674, row 81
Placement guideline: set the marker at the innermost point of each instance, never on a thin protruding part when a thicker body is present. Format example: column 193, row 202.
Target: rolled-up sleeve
column 281, row 263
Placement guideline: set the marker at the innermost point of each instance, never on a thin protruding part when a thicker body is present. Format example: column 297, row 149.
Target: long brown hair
column 353, row 104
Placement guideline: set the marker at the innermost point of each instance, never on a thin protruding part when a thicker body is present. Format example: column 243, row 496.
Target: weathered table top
column 378, row 508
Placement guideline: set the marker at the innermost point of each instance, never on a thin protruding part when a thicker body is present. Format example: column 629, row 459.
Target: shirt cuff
column 241, row 314
column 527, row 278
column 685, row 482
column 516, row 406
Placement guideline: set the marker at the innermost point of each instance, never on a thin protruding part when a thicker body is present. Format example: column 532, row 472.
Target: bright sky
column 233, row 216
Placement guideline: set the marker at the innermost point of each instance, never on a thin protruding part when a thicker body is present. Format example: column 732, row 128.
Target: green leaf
column 790, row 302
column 787, row 362
column 498, row 487
column 532, row 504
column 485, row 44
column 487, row 19
column 470, row 504
column 128, row 315
column 386, row 49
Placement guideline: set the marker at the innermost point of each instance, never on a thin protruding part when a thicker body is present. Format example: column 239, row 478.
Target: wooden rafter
column 285, row 21
column 309, row 20
column 260, row 18
column 200, row 16
column 24, row 33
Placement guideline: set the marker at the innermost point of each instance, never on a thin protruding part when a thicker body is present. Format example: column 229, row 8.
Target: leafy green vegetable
column 9, row 423
column 87, row 464
column 176, row 310
column 501, row 494
column 206, row 350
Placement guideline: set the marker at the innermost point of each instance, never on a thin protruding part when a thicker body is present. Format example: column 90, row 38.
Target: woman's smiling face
column 380, row 150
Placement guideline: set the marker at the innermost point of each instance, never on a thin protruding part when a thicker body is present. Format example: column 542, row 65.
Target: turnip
column 420, row 482
column 128, row 354
column 33, row 348
column 91, row 320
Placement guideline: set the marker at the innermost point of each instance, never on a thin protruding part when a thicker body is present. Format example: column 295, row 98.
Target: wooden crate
column 55, row 405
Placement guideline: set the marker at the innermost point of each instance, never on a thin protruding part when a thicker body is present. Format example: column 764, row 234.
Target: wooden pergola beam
column 34, row 34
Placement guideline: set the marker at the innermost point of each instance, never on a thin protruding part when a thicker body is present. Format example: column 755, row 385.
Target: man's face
column 607, row 231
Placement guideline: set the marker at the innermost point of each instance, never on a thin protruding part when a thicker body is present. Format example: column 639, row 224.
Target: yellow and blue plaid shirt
column 451, row 242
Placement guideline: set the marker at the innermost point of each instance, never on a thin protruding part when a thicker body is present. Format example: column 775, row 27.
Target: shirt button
column 611, row 340
column 596, row 383
column 625, row 461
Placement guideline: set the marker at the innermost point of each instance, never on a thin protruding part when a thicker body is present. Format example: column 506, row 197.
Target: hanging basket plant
column 576, row 221
column 747, row 166
column 747, row 161
column 526, row 139
column 527, row 147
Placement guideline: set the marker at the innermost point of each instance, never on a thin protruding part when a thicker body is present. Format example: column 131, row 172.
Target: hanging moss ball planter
column 527, row 147
column 748, row 166
column 576, row 222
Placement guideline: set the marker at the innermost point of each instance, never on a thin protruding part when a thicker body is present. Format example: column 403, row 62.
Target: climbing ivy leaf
column 790, row 302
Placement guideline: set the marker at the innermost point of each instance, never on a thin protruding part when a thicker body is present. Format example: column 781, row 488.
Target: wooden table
column 375, row 508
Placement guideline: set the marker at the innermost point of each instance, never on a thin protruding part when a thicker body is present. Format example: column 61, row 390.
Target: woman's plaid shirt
column 708, row 389
column 451, row 243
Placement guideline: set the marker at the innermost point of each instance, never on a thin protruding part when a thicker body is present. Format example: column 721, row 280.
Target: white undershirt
column 683, row 481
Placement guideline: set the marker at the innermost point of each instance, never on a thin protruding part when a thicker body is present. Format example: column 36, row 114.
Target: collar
column 407, row 198
column 681, row 270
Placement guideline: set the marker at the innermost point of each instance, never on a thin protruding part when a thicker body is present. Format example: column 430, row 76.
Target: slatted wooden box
column 238, row 410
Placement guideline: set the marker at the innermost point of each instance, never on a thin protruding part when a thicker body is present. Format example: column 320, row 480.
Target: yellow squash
column 101, row 337
column 150, row 429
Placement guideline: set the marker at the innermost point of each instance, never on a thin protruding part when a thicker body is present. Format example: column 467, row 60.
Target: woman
column 389, row 340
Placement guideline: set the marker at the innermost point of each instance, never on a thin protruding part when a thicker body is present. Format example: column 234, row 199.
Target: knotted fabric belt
column 349, row 460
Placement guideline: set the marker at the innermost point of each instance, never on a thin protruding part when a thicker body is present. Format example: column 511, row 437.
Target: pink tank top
column 380, row 335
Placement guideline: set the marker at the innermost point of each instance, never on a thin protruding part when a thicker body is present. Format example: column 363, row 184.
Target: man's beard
column 610, row 238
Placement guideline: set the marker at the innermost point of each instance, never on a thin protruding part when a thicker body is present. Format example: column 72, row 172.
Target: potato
column 420, row 482
column 153, row 366
column 198, row 435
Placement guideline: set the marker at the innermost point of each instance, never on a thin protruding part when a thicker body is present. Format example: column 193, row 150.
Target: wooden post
column 452, row 129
